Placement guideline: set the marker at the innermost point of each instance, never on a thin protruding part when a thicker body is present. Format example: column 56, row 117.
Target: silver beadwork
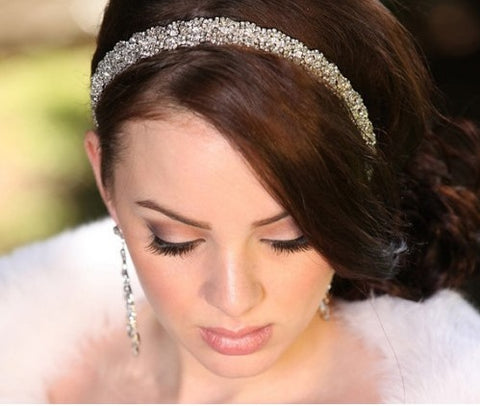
column 128, row 295
column 225, row 31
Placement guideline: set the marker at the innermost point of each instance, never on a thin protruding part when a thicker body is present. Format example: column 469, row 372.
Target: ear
column 94, row 153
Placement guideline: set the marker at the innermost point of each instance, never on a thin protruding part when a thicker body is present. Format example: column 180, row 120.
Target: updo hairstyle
column 407, row 226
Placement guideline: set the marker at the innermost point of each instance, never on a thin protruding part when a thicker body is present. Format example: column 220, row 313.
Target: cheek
column 305, row 283
column 168, row 287
column 294, row 285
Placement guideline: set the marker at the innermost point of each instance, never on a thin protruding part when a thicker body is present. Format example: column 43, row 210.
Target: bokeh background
column 45, row 183
column 45, row 49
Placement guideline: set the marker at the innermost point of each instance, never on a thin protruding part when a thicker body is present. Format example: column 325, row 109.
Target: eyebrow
column 150, row 204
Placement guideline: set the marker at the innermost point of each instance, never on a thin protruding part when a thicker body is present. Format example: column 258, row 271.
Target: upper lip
column 237, row 333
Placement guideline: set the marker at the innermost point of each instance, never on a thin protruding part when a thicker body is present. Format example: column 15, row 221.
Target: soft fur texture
column 56, row 294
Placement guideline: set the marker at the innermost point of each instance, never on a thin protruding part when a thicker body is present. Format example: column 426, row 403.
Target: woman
column 293, row 207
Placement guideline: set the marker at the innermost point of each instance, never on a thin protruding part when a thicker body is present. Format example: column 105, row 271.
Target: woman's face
column 224, row 267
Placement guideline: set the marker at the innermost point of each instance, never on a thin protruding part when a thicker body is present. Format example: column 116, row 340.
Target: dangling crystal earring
column 128, row 295
column 324, row 307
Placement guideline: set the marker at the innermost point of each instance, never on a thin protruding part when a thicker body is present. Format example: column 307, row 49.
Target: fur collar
column 56, row 293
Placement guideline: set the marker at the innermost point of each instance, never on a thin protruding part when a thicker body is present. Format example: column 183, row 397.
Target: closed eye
column 289, row 246
column 162, row 247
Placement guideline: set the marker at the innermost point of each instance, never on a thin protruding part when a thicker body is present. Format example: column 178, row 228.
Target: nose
column 232, row 285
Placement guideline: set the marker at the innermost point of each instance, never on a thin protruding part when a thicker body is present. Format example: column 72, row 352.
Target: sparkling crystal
column 225, row 31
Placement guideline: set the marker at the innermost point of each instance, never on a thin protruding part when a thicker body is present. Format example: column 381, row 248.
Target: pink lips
column 242, row 342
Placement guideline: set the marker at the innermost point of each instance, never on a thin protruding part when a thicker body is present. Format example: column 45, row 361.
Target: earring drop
column 324, row 307
column 128, row 296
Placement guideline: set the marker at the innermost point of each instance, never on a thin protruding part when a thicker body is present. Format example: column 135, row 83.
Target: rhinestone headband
column 224, row 31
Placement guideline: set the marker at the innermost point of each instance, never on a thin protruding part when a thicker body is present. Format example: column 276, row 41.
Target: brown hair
column 410, row 229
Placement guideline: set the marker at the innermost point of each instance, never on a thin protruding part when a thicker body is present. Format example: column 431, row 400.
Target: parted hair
column 404, row 220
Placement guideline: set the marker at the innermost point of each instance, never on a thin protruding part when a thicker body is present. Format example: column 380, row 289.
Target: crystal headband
column 224, row 31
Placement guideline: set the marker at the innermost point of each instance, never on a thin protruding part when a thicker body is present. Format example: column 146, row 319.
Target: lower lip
column 231, row 344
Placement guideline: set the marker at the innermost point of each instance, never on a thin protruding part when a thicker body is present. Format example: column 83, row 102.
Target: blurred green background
column 45, row 181
column 45, row 49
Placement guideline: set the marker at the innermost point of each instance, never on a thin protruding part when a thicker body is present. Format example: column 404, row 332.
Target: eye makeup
column 289, row 246
column 168, row 240
column 162, row 247
column 180, row 249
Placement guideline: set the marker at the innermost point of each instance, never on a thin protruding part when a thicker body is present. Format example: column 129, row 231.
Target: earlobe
column 94, row 154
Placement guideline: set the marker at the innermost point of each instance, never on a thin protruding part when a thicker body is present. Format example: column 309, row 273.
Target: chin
column 237, row 366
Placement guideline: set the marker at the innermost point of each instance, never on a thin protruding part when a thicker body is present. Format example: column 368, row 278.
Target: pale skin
column 179, row 180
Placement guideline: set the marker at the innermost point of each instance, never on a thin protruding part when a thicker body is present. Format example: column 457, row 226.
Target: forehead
column 184, row 161
column 178, row 144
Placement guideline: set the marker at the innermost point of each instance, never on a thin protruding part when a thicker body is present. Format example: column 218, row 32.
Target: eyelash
column 161, row 247
column 299, row 244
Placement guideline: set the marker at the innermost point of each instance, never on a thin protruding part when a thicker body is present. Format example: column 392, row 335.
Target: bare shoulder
column 107, row 372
